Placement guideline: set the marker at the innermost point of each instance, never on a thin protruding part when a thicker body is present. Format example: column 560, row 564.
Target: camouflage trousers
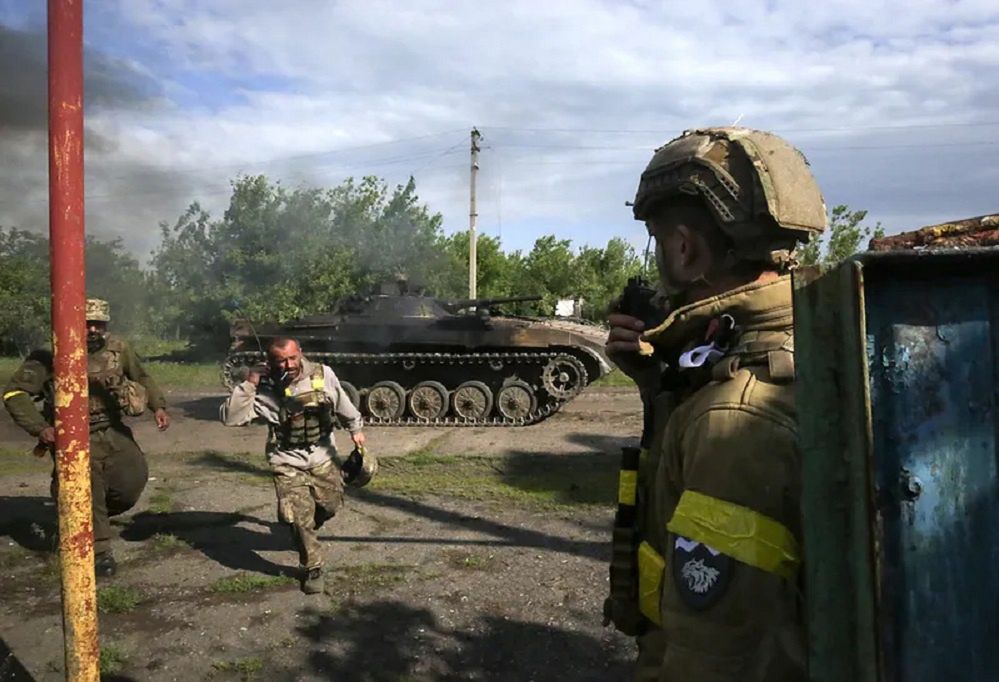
column 307, row 498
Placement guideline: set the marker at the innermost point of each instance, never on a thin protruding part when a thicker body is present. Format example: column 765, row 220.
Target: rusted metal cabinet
column 897, row 355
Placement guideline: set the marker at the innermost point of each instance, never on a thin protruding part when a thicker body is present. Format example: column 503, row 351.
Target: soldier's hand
column 253, row 377
column 630, row 353
column 625, row 333
column 162, row 419
column 358, row 438
column 47, row 435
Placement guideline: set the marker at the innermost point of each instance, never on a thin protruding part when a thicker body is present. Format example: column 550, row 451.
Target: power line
column 644, row 131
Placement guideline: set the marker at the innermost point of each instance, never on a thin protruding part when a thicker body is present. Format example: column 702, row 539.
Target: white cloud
column 841, row 79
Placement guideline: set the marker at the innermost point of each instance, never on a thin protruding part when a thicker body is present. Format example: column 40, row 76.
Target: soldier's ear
column 685, row 245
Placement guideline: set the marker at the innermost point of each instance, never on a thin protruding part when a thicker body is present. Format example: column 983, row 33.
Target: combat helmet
column 97, row 310
column 758, row 187
column 359, row 468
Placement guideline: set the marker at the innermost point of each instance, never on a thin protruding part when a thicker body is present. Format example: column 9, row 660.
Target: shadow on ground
column 503, row 534
column 30, row 522
column 213, row 459
column 221, row 536
column 203, row 408
column 11, row 669
column 412, row 644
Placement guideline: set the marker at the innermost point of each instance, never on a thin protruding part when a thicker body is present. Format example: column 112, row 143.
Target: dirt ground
column 475, row 554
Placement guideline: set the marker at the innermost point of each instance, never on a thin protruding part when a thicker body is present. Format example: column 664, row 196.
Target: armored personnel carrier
column 409, row 359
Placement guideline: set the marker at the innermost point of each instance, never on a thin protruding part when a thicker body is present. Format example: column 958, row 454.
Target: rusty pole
column 66, row 237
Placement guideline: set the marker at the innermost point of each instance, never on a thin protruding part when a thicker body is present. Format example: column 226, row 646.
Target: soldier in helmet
column 297, row 399
column 117, row 386
column 717, row 562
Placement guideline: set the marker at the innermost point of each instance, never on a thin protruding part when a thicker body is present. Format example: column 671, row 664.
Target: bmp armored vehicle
column 409, row 359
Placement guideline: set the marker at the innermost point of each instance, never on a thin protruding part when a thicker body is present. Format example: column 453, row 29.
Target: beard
column 95, row 341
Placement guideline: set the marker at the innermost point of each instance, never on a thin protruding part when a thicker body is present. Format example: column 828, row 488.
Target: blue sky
column 895, row 104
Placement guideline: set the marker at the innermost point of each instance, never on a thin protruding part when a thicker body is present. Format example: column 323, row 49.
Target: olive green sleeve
column 738, row 471
column 27, row 383
column 136, row 372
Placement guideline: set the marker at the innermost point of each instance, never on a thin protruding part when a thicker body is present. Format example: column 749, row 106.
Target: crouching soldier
column 297, row 399
column 117, row 386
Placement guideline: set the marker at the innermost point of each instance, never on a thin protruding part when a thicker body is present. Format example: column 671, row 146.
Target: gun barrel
column 487, row 302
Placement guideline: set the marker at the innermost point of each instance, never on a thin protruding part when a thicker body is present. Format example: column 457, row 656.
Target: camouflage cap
column 98, row 310
column 758, row 187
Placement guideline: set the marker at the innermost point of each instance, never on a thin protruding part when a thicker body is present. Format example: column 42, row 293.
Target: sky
column 895, row 104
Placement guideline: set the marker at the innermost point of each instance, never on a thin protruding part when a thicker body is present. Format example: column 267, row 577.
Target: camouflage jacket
column 106, row 371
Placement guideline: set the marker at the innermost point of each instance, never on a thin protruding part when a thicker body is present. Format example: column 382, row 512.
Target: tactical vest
column 637, row 567
column 304, row 418
column 111, row 393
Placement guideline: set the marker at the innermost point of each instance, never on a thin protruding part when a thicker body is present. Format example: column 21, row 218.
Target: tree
column 494, row 268
column 25, row 293
column 278, row 254
column 604, row 274
column 844, row 238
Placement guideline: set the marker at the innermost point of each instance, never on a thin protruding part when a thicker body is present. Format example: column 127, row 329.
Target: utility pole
column 72, row 431
column 472, row 216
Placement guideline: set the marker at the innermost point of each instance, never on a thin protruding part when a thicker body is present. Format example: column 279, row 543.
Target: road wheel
column 428, row 400
column 472, row 401
column 352, row 393
column 516, row 401
column 386, row 401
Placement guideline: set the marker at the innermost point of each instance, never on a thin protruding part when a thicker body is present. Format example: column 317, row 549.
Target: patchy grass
column 161, row 501
column 15, row 556
column 118, row 599
column 112, row 658
column 190, row 376
column 468, row 561
column 14, row 461
column 615, row 378
column 246, row 668
column 362, row 577
column 343, row 583
column 167, row 542
column 242, row 583
column 186, row 376
column 533, row 480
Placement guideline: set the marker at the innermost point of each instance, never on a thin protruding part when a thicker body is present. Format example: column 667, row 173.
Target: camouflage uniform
column 306, row 497
column 117, row 385
column 718, row 548
column 300, row 447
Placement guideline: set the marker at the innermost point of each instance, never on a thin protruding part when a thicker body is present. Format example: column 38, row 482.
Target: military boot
column 312, row 581
column 104, row 564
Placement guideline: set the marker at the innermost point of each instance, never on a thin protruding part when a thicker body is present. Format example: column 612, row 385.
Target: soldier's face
column 96, row 331
column 682, row 255
column 287, row 360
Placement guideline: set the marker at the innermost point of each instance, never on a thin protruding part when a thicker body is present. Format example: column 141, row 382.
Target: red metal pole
column 66, row 235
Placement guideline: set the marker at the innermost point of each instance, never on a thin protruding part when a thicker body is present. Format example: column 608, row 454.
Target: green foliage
column 24, row 290
column 112, row 658
column 845, row 237
column 246, row 668
column 115, row 599
column 278, row 254
column 112, row 274
column 242, row 583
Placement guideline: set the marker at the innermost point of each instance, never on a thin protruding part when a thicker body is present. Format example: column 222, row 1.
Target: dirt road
column 476, row 554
